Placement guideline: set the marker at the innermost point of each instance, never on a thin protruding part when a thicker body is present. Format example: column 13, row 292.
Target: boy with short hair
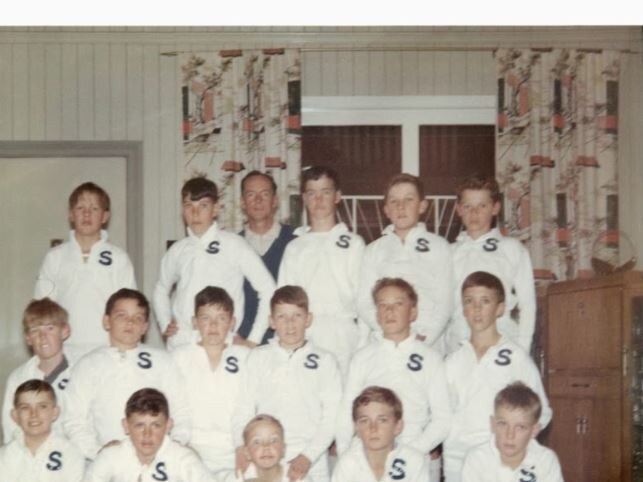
column 148, row 453
column 264, row 446
column 211, row 372
column 397, row 360
column 83, row 272
column 45, row 328
column 513, row 453
column 377, row 415
column 407, row 250
column 38, row 454
column 102, row 381
column 207, row 256
column 293, row 380
column 325, row 260
column 480, row 368
column 483, row 248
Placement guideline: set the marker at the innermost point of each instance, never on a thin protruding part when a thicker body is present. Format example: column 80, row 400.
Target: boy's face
column 404, row 207
column 290, row 323
column 35, row 412
column 147, row 431
column 214, row 323
column 513, row 428
column 199, row 215
column 321, row 197
column 46, row 339
column 477, row 210
column 377, row 426
column 481, row 308
column 126, row 324
column 395, row 312
column 265, row 446
column 258, row 201
column 88, row 215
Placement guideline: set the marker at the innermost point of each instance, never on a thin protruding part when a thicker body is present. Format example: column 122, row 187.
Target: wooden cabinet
column 593, row 346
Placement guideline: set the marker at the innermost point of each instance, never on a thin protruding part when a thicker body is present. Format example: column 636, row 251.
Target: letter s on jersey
column 344, row 241
column 105, row 258
column 62, row 384
column 312, row 361
column 415, row 362
column 503, row 359
column 160, row 473
column 213, row 247
column 232, row 364
column 397, row 469
column 145, row 360
column 422, row 245
column 490, row 245
column 527, row 475
column 55, row 461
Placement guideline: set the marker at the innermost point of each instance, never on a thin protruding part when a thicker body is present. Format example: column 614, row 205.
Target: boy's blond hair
column 91, row 188
column 257, row 419
column 290, row 295
column 519, row 396
column 381, row 395
column 40, row 312
column 398, row 283
column 479, row 183
column 405, row 178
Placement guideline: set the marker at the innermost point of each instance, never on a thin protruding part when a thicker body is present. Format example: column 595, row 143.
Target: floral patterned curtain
column 241, row 111
column 556, row 155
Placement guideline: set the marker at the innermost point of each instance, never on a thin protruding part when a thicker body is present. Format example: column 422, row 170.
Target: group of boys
column 358, row 353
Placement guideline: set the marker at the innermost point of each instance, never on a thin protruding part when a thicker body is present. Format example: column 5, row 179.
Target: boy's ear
column 170, row 424
column 56, row 413
column 271, row 322
column 14, row 415
column 66, row 331
column 233, row 320
column 414, row 313
column 217, row 208
column 309, row 320
column 424, row 205
column 338, row 196
column 399, row 426
column 106, row 323
column 500, row 309
column 459, row 209
column 125, row 426
column 496, row 208
column 491, row 422
column 535, row 430
column 106, row 216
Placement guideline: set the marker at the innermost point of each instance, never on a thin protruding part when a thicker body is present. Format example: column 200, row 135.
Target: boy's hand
column 299, row 467
column 241, row 461
column 238, row 340
column 171, row 330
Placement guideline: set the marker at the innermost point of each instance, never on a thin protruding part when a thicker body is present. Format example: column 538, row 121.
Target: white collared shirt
column 251, row 474
column 262, row 242
column 424, row 260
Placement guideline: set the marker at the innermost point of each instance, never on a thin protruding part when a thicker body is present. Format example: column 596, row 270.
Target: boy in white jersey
column 264, row 446
column 512, row 453
column 211, row 371
column 397, row 360
column 298, row 383
column 480, row 368
column 325, row 261
column 148, row 454
column 103, row 380
column 38, row 454
column 45, row 327
column 376, row 457
column 483, row 248
column 207, row 256
column 83, row 272
column 407, row 250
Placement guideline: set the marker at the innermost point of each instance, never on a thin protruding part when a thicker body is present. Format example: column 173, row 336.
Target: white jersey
column 424, row 260
column 173, row 463
column 217, row 258
column 103, row 380
column 403, row 464
column 82, row 287
column 302, row 389
column 29, row 370
column 56, row 460
column 251, row 474
column 327, row 265
column 483, row 464
column 213, row 398
column 416, row 374
column 508, row 259
column 473, row 385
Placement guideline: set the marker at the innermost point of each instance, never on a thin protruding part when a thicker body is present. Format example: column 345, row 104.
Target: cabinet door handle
column 625, row 357
column 584, row 424
column 578, row 428
column 581, row 385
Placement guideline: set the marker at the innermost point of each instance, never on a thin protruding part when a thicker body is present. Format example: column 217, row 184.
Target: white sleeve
column 471, row 470
column 193, row 470
column 167, row 277
column 531, row 377
column 75, row 469
column 177, row 397
column 330, row 397
column 355, row 266
column 552, row 472
column 100, row 470
column 125, row 274
column 344, row 425
column 367, row 279
column 342, row 472
column 46, row 285
column 437, row 314
column 423, row 474
column 262, row 282
column 9, row 427
column 526, row 294
column 287, row 267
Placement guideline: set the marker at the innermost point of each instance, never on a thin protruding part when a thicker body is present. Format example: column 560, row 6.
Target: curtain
column 241, row 111
column 556, row 155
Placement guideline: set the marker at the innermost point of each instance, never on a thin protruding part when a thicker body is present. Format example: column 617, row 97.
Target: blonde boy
column 397, row 360
column 513, row 454
column 147, row 454
column 376, row 457
column 407, row 250
column 212, row 371
column 103, row 380
column 480, row 368
column 45, row 328
column 483, row 248
column 325, row 260
column 293, row 380
column 207, row 256
column 83, row 272
column 38, row 454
